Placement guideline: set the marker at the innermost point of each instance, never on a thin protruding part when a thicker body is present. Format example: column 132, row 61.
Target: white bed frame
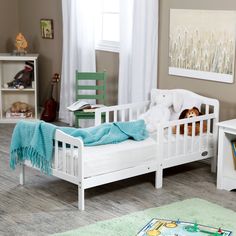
column 131, row 112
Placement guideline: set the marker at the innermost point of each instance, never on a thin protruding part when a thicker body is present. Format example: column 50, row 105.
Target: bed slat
column 193, row 135
column 72, row 160
column 122, row 115
column 130, row 114
column 56, row 155
column 115, row 116
column 185, row 137
column 177, row 140
column 107, row 116
column 200, row 135
column 64, row 157
column 169, row 142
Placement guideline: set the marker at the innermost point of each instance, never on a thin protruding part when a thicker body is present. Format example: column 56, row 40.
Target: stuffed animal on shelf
column 20, row 107
column 159, row 111
column 189, row 113
column 23, row 78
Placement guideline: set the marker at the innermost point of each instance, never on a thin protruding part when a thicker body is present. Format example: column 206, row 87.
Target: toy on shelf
column 21, row 44
column 158, row 227
column 23, row 78
column 20, row 110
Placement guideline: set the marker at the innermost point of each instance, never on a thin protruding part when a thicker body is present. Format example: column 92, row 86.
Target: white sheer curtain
column 138, row 49
column 78, row 49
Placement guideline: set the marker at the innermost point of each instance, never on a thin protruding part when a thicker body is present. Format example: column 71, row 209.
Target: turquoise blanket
column 34, row 140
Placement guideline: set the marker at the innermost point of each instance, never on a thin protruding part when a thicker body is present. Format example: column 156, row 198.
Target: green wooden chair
column 99, row 92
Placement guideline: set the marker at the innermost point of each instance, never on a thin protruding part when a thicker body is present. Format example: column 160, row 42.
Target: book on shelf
column 19, row 115
column 83, row 106
column 233, row 143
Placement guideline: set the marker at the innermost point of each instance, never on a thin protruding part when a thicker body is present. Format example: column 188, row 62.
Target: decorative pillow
column 189, row 102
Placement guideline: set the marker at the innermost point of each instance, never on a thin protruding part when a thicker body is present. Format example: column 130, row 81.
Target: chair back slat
column 90, row 75
column 87, row 96
column 90, row 87
column 97, row 88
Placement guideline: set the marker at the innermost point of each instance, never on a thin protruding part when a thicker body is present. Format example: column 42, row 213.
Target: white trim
column 109, row 46
column 226, row 78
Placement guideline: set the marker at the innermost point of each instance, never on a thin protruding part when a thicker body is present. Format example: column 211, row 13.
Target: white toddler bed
column 92, row 166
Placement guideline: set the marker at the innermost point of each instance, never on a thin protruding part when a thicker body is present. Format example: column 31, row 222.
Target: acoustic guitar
column 50, row 106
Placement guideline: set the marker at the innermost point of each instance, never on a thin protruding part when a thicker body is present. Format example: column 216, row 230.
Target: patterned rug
column 191, row 210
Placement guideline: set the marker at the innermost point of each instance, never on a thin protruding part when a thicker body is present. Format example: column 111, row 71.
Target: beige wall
column 109, row 62
column 25, row 17
column 30, row 13
column 50, row 50
column 226, row 93
column 26, row 14
column 9, row 24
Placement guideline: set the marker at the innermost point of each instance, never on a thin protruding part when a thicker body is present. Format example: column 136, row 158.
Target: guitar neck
column 51, row 91
column 55, row 80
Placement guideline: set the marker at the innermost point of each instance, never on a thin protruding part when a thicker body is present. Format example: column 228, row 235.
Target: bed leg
column 80, row 198
column 213, row 164
column 159, row 178
column 22, row 174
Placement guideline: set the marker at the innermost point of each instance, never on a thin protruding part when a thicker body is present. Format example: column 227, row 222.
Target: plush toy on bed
column 159, row 111
column 188, row 113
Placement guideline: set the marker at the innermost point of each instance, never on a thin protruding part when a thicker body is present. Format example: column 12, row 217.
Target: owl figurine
column 21, row 44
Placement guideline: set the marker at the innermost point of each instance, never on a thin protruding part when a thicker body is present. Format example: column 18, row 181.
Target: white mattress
column 112, row 157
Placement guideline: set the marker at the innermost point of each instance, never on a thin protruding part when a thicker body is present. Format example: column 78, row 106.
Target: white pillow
column 188, row 103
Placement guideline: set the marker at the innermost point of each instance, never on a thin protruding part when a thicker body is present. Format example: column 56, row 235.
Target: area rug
column 192, row 210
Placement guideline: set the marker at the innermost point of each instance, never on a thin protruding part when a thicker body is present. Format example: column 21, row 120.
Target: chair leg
column 22, row 174
column 159, row 178
column 76, row 122
column 80, row 198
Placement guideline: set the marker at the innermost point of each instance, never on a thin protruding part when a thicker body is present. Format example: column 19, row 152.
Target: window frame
column 101, row 44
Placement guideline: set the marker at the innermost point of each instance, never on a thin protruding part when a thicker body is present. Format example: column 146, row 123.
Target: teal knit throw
column 34, row 140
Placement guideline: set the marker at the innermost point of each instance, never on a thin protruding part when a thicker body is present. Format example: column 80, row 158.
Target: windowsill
column 108, row 46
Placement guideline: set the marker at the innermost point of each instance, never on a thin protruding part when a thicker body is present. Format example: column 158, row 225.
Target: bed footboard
column 69, row 147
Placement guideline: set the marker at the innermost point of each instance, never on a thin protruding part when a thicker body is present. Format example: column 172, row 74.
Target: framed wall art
column 202, row 44
column 46, row 26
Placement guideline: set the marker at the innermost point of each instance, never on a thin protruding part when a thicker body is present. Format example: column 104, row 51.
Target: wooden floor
column 48, row 205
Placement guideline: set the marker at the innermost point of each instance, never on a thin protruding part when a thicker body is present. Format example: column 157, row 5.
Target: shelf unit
column 226, row 172
column 9, row 66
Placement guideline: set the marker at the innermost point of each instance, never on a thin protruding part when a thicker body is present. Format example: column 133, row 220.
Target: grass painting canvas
column 202, row 44
column 46, row 26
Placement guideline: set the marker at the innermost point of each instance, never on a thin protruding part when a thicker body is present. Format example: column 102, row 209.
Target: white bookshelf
column 9, row 66
column 226, row 171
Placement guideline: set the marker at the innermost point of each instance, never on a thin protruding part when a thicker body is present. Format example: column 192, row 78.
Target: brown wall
column 50, row 50
column 226, row 93
column 109, row 62
column 9, row 24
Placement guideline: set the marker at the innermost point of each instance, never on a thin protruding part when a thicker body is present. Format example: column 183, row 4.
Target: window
column 108, row 26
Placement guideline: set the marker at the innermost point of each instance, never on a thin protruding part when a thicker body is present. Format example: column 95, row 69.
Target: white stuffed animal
column 159, row 111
